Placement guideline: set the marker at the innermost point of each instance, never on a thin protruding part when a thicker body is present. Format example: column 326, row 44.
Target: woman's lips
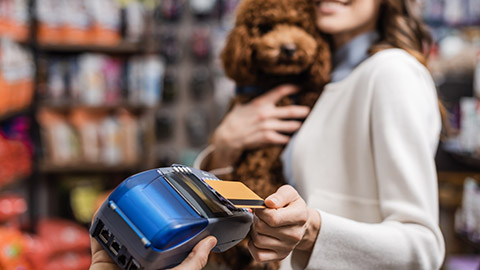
column 330, row 6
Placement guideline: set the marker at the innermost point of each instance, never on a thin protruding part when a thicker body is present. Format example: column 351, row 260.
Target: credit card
column 237, row 193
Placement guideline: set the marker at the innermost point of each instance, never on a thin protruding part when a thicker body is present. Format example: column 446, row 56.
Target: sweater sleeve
column 405, row 125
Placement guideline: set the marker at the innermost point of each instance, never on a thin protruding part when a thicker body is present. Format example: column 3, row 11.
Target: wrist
column 226, row 152
column 313, row 227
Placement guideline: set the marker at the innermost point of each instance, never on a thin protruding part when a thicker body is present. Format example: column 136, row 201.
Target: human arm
column 401, row 229
column 196, row 260
column 251, row 125
column 404, row 132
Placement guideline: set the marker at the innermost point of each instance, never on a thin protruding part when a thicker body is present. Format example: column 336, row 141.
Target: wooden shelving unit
column 121, row 48
column 49, row 168
column 14, row 113
column 69, row 105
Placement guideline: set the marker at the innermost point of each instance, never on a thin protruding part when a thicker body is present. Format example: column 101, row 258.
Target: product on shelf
column 170, row 87
column 200, row 84
column 11, row 206
column 90, row 137
column 75, row 22
column 16, row 77
column 95, row 22
column 58, row 244
column 203, row 8
column 164, row 125
column 196, row 122
column 466, row 145
column 200, row 44
column 170, row 10
column 169, row 45
column 84, row 195
column 14, row 19
column 105, row 21
column 99, row 80
column 13, row 247
column 467, row 218
column 60, row 142
column 145, row 80
column 135, row 13
column 15, row 151
column 452, row 12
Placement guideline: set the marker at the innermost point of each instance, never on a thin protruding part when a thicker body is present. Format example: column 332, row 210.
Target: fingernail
column 273, row 200
column 212, row 242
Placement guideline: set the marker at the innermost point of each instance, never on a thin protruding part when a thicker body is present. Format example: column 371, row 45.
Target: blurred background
column 93, row 91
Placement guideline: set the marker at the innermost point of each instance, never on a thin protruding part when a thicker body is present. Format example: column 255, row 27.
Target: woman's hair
column 400, row 25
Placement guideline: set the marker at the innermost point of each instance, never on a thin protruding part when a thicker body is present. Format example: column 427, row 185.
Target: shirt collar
column 351, row 55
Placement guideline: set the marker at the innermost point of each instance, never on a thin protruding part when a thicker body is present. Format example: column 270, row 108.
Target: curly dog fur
column 273, row 42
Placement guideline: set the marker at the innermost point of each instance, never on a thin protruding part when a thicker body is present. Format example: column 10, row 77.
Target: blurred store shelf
column 48, row 167
column 122, row 48
column 70, row 105
column 11, row 114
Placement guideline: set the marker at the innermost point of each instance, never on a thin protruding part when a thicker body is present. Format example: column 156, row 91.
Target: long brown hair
column 400, row 25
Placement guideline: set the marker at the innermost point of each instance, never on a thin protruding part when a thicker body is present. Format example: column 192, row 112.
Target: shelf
column 474, row 243
column 122, row 48
column 68, row 105
column 13, row 113
column 15, row 183
column 47, row 167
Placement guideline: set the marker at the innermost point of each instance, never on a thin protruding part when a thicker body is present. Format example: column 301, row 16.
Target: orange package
column 75, row 35
column 103, row 36
column 16, row 31
column 12, row 245
column 48, row 34
column 23, row 93
column 4, row 96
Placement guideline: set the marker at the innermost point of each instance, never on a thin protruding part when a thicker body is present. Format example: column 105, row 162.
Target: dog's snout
column 288, row 50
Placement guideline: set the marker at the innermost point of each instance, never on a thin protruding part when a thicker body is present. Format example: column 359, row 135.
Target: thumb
column 284, row 196
column 198, row 257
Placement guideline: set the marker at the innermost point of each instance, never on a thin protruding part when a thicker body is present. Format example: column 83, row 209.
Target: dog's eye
column 265, row 28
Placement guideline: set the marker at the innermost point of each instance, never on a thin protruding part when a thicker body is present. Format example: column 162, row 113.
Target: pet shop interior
column 94, row 91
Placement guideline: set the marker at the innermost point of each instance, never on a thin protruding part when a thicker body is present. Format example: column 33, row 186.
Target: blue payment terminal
column 153, row 219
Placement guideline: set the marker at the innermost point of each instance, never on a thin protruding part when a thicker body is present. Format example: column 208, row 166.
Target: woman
column 362, row 163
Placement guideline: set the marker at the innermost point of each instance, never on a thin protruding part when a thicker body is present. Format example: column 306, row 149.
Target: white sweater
column 364, row 158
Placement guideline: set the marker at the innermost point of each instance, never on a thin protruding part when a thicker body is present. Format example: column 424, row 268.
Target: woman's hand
column 198, row 257
column 256, row 123
column 196, row 260
column 286, row 224
column 100, row 258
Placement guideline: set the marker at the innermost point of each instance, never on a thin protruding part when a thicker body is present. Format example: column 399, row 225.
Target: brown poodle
column 273, row 42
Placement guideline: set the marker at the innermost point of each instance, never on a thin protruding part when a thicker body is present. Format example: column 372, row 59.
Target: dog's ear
column 237, row 56
column 320, row 70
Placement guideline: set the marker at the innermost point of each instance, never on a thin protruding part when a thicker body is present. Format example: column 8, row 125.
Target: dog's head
column 277, row 38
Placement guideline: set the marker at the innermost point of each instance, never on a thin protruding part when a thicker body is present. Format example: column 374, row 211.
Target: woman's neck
column 340, row 39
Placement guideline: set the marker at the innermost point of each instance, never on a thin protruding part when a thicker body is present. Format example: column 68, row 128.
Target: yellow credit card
column 237, row 193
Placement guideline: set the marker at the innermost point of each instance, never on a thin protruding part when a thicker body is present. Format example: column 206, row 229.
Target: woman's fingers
column 266, row 255
column 291, row 112
column 281, row 126
column 277, row 93
column 284, row 196
column 198, row 257
column 286, row 235
column 266, row 137
column 279, row 228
